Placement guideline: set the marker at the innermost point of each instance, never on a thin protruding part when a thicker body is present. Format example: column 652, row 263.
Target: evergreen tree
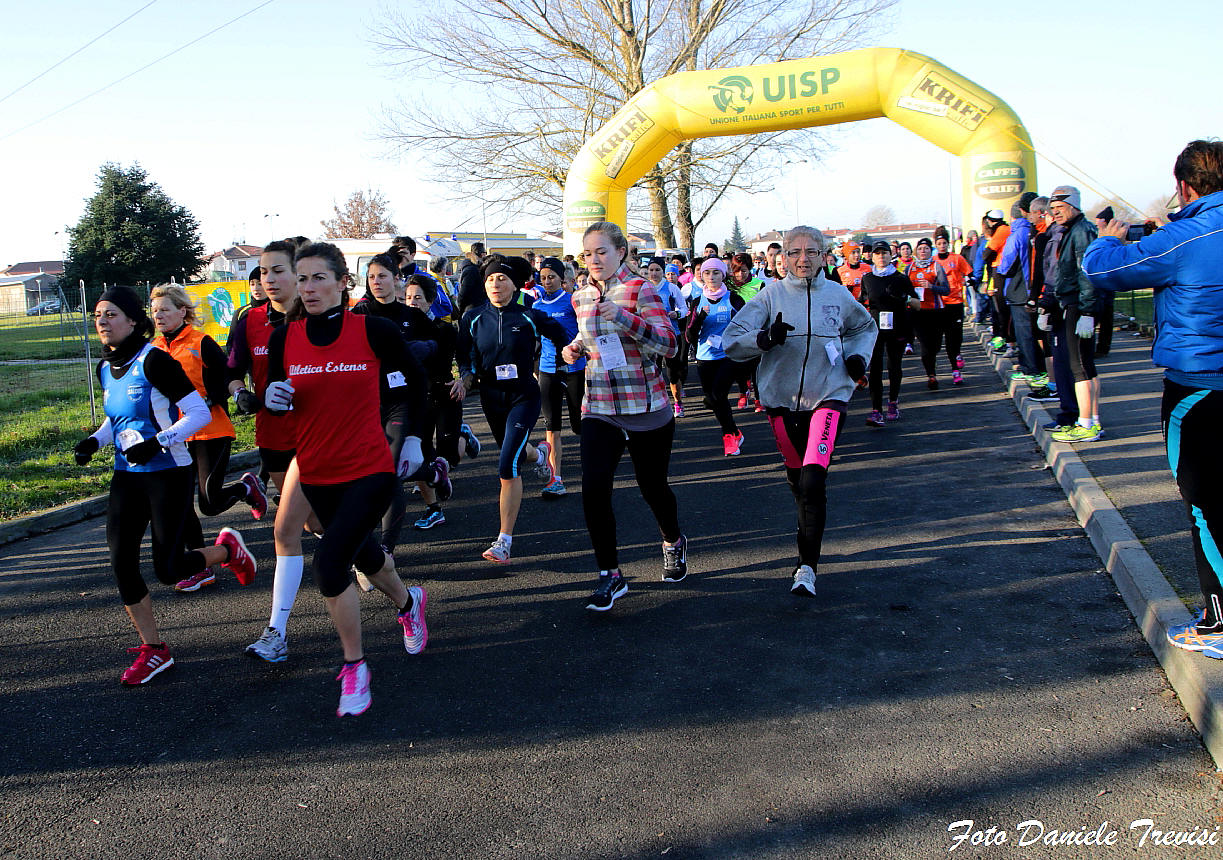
column 131, row 232
column 737, row 242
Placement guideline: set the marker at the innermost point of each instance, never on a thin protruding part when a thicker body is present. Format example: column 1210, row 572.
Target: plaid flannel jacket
column 645, row 334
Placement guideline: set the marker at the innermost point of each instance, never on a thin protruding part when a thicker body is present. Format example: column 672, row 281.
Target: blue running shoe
column 473, row 443
column 1188, row 638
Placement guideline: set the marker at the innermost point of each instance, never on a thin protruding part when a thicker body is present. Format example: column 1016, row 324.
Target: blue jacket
column 1017, row 254
column 1183, row 264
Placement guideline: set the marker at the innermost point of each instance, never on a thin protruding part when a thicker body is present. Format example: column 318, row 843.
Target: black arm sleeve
column 550, row 329
column 234, row 325
column 239, row 352
column 471, row 289
column 276, row 355
column 403, row 403
column 692, row 333
column 216, row 373
column 167, row 375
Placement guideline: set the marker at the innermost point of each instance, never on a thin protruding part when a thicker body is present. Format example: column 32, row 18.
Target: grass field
column 54, row 336
column 39, row 426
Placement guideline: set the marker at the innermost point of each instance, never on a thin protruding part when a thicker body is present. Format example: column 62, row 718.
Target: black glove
column 143, row 452
column 855, row 366
column 84, row 450
column 246, row 401
column 774, row 335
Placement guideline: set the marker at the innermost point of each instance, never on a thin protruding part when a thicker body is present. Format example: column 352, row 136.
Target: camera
column 1133, row 234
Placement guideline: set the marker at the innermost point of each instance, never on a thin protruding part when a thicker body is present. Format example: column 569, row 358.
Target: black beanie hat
column 555, row 265
column 127, row 300
column 515, row 268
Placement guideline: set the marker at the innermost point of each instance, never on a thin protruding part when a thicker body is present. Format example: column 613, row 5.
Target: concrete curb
column 75, row 512
column 1198, row 680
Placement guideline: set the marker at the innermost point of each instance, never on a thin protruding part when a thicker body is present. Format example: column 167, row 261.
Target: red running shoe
column 240, row 563
column 256, row 495
column 150, row 660
column 742, row 402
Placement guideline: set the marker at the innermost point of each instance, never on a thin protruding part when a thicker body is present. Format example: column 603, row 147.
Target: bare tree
column 545, row 77
column 363, row 216
column 1121, row 210
column 878, row 216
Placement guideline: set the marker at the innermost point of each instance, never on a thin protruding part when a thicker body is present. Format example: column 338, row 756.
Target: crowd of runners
column 355, row 403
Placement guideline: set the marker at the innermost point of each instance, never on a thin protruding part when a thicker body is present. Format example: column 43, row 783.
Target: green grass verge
column 39, row 426
column 53, row 336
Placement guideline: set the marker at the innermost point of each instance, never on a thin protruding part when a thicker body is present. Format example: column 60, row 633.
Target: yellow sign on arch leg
column 911, row 89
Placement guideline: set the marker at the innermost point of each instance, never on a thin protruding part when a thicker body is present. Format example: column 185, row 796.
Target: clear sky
column 259, row 128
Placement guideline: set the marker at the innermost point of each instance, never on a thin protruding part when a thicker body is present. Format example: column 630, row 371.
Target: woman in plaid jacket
column 624, row 331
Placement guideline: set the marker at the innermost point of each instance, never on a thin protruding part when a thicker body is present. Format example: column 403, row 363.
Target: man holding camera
column 1181, row 264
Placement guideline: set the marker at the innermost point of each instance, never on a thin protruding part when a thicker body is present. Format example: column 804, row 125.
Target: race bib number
column 921, row 293
column 885, row 320
column 833, row 352
column 507, row 371
column 611, row 352
column 395, row 379
column 715, row 341
column 128, row 437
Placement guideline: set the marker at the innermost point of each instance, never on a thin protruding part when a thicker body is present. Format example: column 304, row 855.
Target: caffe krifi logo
column 631, row 128
column 734, row 93
column 962, row 108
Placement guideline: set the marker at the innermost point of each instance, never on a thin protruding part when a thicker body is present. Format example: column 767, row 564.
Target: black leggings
column 137, row 501
column 211, row 457
column 557, row 390
column 349, row 513
column 1190, row 422
column 603, row 445
column 806, row 441
column 511, row 416
column 446, row 415
column 717, row 376
column 953, row 330
column 891, row 344
column 928, row 325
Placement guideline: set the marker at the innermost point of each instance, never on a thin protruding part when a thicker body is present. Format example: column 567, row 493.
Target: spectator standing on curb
column 1014, row 266
column 1180, row 262
column 1076, row 297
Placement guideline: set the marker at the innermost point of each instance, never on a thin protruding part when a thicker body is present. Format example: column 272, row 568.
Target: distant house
column 50, row 267
column 19, row 293
column 235, row 263
column 891, row 232
column 760, row 244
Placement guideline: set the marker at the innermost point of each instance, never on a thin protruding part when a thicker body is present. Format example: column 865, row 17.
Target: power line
column 77, row 51
column 137, row 71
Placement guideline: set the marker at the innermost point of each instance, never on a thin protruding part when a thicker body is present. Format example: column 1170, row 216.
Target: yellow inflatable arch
column 950, row 111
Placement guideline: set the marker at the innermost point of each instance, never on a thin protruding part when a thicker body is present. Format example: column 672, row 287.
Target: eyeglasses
column 795, row 253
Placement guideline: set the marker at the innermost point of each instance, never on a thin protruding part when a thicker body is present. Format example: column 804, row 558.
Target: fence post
column 93, row 410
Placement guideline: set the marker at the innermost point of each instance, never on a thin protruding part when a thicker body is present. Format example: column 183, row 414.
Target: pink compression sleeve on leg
column 821, row 436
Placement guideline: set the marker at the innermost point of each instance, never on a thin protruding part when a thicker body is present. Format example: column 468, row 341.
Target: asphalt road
column 965, row 659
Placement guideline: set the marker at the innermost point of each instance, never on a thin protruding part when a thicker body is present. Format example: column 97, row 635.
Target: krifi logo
column 734, row 92
column 999, row 180
column 960, row 107
column 629, row 130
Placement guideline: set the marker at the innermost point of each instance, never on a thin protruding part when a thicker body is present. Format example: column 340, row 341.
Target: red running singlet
column 337, row 404
column 275, row 432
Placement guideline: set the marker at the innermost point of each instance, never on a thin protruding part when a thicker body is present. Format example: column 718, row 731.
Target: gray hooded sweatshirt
column 801, row 373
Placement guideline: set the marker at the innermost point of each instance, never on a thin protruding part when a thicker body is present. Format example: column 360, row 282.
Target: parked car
column 50, row 306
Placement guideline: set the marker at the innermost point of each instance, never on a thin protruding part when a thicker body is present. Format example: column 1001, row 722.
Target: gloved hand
column 143, row 452
column 84, row 450
column 1085, row 327
column 855, row 366
column 411, row 458
column 774, row 335
column 1042, row 322
column 278, row 396
column 246, row 402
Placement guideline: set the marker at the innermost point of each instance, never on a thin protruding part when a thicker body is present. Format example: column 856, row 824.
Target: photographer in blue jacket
column 1181, row 264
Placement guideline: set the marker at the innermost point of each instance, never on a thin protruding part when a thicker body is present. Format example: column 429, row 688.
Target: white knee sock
column 285, row 583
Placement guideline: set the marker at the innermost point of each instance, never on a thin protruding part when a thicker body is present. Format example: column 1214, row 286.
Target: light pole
column 799, row 161
column 271, row 226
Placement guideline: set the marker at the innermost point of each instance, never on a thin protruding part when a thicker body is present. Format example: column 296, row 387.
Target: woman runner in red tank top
column 332, row 369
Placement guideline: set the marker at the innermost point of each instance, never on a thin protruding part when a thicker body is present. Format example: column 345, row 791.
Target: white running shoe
column 804, row 581
column 415, row 632
column 271, row 646
column 354, row 690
